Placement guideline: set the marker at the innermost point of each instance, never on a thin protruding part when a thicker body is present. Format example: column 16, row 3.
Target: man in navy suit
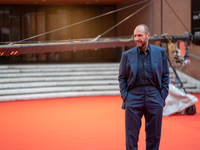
column 144, row 84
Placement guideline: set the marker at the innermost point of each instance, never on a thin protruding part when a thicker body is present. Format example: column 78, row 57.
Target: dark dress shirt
column 144, row 71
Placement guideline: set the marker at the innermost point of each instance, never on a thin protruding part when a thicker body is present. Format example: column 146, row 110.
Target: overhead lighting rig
column 85, row 44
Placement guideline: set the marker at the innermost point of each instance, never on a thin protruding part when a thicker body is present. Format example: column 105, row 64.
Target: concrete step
column 189, row 86
column 14, row 66
column 58, row 78
column 184, row 81
column 193, row 90
column 53, row 74
column 60, row 83
column 58, row 95
column 82, row 88
column 52, row 69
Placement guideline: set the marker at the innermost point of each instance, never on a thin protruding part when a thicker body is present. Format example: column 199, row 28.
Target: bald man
column 144, row 84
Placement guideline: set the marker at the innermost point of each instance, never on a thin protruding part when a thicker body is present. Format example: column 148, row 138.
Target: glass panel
column 28, row 22
column 9, row 24
column 24, row 21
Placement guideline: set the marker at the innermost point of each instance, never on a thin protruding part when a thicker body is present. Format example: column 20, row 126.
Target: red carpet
column 85, row 123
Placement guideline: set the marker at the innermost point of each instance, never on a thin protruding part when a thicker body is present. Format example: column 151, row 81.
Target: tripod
column 192, row 109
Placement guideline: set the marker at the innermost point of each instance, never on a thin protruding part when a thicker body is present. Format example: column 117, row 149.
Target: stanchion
column 192, row 109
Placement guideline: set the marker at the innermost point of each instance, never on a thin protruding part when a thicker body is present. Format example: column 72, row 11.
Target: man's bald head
column 144, row 27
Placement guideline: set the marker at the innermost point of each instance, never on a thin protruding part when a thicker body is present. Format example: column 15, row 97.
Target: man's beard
column 143, row 43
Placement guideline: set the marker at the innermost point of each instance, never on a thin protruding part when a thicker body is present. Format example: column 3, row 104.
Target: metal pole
column 161, row 9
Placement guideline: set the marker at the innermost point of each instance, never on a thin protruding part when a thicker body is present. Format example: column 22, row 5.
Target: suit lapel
column 133, row 59
column 154, row 59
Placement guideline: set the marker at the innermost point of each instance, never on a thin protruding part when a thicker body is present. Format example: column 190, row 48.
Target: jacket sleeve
column 122, row 78
column 165, row 77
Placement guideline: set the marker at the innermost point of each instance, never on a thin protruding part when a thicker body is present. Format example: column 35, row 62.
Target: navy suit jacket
column 128, row 71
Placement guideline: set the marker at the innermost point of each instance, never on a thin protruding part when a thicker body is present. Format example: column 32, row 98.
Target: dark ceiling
column 63, row 2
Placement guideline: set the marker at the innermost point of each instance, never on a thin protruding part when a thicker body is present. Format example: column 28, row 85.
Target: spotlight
column 196, row 38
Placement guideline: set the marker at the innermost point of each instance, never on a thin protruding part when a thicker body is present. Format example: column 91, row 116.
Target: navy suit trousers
column 145, row 101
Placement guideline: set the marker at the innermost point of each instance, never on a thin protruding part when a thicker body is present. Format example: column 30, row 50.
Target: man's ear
column 148, row 35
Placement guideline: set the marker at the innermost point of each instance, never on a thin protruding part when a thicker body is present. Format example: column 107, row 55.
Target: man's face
column 140, row 37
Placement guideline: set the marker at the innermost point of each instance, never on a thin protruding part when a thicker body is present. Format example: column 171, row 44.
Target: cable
column 122, row 21
column 176, row 15
column 79, row 22
column 191, row 55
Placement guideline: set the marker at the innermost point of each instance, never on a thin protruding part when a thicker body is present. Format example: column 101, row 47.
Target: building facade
column 21, row 19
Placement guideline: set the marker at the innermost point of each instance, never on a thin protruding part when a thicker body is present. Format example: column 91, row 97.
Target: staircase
column 26, row 82
column 190, row 84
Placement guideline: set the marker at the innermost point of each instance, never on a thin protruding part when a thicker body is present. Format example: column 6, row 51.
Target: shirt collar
column 148, row 50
